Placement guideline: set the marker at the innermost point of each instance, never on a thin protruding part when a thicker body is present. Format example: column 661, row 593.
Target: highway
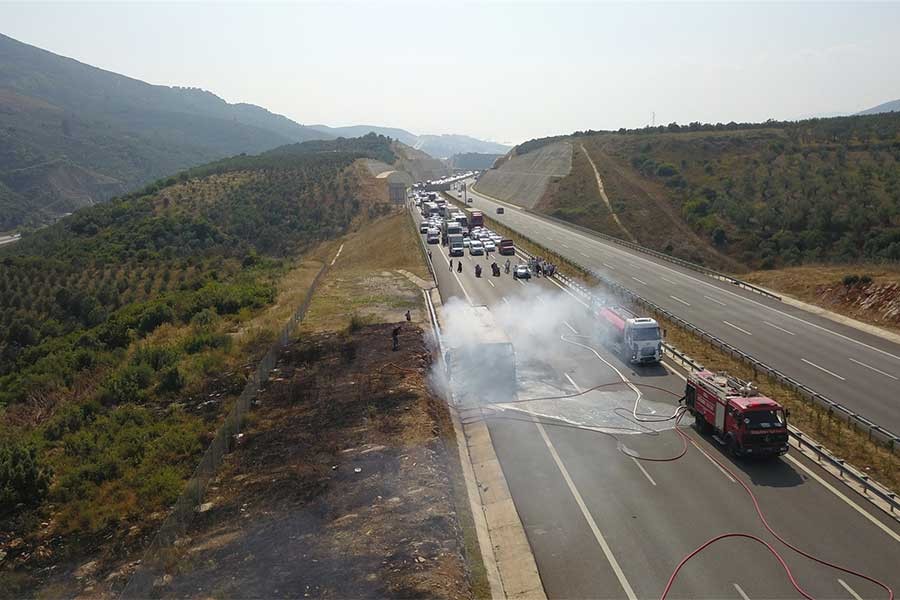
column 856, row 369
column 602, row 524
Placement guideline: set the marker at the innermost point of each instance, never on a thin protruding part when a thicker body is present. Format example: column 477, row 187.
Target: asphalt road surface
column 604, row 525
column 856, row 369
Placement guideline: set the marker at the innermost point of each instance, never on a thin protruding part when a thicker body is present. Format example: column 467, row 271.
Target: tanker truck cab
column 636, row 338
column 642, row 340
column 737, row 415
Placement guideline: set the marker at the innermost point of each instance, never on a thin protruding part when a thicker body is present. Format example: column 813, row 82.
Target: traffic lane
column 570, row 562
column 767, row 478
column 828, row 583
column 717, row 316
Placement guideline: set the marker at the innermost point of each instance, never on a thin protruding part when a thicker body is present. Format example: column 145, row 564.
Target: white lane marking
column 454, row 273
column 505, row 300
column 823, row 369
column 677, row 299
column 672, row 370
column 717, row 465
column 719, row 302
column 643, row 470
column 639, row 281
column 667, row 280
column 572, row 329
column 781, row 329
column 584, row 255
column 541, row 300
column 336, row 255
column 862, row 364
column 743, row 594
column 520, row 281
column 621, row 252
column 608, row 266
column 847, row 500
column 849, row 589
column 607, row 551
column 736, row 327
column 565, row 246
column 572, row 381
column 491, row 282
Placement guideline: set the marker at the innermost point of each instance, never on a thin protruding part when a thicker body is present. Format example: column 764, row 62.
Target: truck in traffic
column 448, row 228
column 457, row 247
column 736, row 414
column 636, row 338
column 476, row 218
column 480, row 357
column 506, row 248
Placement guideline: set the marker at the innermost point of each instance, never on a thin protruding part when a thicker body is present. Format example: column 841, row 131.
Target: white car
column 466, row 242
column 476, row 248
column 489, row 246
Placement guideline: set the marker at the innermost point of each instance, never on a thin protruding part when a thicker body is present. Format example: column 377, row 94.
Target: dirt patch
column 339, row 487
column 523, row 178
column 868, row 293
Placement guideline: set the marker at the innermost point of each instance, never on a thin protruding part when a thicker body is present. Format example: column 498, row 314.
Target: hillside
column 72, row 135
column 743, row 196
column 438, row 146
column 128, row 328
column 892, row 106
column 523, row 178
column 473, row 161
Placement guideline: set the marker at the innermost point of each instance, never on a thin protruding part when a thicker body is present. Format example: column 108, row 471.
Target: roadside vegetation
column 756, row 196
column 868, row 293
column 126, row 328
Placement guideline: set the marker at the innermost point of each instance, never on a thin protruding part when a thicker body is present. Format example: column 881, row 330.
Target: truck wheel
column 700, row 423
column 732, row 446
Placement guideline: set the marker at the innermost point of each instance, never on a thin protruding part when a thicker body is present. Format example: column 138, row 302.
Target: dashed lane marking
column 733, row 326
column 823, row 369
column 862, row 364
column 781, row 329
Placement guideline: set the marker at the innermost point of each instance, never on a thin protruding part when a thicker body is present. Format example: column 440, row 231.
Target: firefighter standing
column 395, row 338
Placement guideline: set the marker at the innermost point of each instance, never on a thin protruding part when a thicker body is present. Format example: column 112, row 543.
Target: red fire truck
column 736, row 414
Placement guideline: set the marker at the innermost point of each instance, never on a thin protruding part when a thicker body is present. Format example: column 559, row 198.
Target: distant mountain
column 437, row 146
column 445, row 146
column 352, row 131
column 469, row 161
column 892, row 106
column 72, row 135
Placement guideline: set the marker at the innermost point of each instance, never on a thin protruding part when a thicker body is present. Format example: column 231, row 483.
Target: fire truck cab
column 736, row 414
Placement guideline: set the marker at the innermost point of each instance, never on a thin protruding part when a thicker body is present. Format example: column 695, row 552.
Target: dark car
column 499, row 210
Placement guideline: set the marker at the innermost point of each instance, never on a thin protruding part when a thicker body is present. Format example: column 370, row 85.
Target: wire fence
column 160, row 554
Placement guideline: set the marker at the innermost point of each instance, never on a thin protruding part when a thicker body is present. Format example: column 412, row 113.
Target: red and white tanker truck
column 736, row 414
column 636, row 337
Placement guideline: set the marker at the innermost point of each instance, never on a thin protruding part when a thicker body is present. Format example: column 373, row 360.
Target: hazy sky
column 501, row 71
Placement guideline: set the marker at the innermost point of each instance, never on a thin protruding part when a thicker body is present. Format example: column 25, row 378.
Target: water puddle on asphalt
column 610, row 409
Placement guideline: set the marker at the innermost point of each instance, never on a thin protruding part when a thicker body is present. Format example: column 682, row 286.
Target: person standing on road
column 459, row 266
column 451, row 264
column 395, row 338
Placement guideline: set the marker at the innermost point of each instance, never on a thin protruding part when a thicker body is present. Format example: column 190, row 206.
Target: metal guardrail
column 875, row 432
column 803, row 441
column 655, row 253
column 154, row 561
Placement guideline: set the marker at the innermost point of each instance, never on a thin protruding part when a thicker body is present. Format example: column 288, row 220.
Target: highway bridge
column 602, row 523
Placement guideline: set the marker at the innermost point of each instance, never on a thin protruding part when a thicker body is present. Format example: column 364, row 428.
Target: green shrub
column 127, row 385
column 850, row 280
column 171, row 381
column 23, row 479
column 203, row 340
